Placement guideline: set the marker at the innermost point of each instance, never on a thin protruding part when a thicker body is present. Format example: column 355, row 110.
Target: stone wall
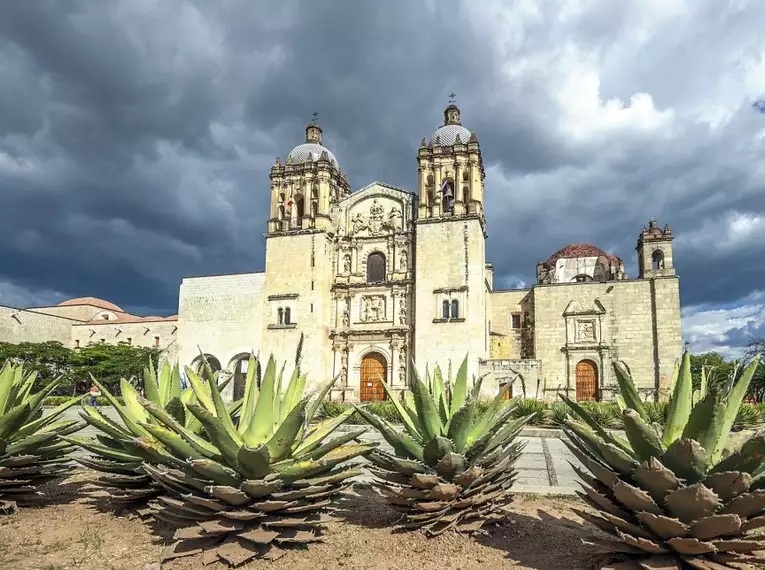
column 299, row 272
column 21, row 325
column 222, row 315
column 506, row 340
column 159, row 334
column 450, row 265
column 637, row 321
column 524, row 374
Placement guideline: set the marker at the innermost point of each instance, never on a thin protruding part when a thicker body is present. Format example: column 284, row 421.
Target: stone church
column 382, row 277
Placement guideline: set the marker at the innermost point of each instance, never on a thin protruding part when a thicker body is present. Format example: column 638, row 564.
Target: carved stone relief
column 377, row 222
column 373, row 309
column 585, row 331
column 403, row 260
column 402, row 365
column 402, row 312
column 347, row 263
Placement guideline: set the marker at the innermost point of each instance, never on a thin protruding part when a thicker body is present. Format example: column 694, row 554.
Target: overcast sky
column 136, row 136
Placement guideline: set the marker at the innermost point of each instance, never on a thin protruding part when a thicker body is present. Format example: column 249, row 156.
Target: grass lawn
column 67, row 533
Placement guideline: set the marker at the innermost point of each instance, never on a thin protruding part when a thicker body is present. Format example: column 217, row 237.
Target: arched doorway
column 197, row 364
column 373, row 368
column 586, row 381
column 239, row 367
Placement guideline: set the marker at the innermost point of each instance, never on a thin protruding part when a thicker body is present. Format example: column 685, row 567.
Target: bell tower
column 450, row 255
column 654, row 251
column 305, row 187
column 450, row 171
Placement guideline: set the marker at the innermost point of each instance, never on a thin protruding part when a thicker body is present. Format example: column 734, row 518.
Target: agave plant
column 31, row 452
column 259, row 481
column 113, row 452
column 453, row 467
column 674, row 497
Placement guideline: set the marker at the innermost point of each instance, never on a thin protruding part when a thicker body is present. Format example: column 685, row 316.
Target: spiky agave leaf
column 666, row 499
column 113, row 453
column 270, row 483
column 453, row 468
column 32, row 450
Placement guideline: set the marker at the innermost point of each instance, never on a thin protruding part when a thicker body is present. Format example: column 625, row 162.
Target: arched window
column 314, row 209
column 581, row 278
column 466, row 194
column 445, row 310
column 447, row 198
column 280, row 313
column 375, row 267
column 657, row 259
column 287, row 320
column 298, row 211
column 281, row 197
column 455, row 309
column 280, row 213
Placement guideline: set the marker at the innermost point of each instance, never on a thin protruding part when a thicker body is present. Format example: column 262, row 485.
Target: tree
column 106, row 362
column 715, row 366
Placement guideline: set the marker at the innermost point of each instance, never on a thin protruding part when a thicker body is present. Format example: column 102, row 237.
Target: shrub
column 527, row 406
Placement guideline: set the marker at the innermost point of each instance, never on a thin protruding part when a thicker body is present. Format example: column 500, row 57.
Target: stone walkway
column 543, row 466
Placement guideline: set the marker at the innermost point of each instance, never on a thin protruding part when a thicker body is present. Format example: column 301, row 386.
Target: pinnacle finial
column 452, row 98
column 315, row 116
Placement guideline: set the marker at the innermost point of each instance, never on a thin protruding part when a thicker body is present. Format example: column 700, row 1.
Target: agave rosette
column 452, row 468
column 31, row 449
column 674, row 497
column 114, row 454
column 257, row 480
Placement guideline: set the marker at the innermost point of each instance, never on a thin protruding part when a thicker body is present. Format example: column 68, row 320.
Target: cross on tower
column 452, row 98
column 315, row 116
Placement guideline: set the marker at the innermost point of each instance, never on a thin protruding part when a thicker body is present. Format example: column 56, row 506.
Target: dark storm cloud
column 136, row 137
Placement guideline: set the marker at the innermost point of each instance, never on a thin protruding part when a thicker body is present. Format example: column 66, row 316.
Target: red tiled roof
column 574, row 250
column 93, row 302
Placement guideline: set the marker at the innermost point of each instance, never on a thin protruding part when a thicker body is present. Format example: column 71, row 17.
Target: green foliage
column 216, row 468
column 31, row 450
column 51, row 360
column 668, row 494
column 452, row 467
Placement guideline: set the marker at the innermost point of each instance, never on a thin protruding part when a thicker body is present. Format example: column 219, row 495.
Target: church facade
column 383, row 279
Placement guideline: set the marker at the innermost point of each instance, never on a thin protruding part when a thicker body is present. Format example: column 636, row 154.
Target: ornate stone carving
column 402, row 365
column 373, row 309
column 344, row 367
column 395, row 217
column 347, row 263
column 376, row 218
column 345, row 319
column 585, row 330
column 403, row 260
column 358, row 223
column 402, row 311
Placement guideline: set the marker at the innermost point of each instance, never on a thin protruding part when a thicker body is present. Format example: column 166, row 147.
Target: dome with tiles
column 447, row 134
column 312, row 149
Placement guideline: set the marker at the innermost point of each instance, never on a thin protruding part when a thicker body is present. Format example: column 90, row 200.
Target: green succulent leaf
column 280, row 444
column 254, row 463
column 680, row 404
column 406, row 419
column 459, row 391
column 644, row 440
column 735, row 399
column 430, row 419
column 706, row 421
column 217, row 433
column 404, row 445
column 461, row 425
column 629, row 391
column 261, row 426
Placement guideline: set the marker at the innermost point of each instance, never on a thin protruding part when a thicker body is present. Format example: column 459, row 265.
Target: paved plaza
column 543, row 466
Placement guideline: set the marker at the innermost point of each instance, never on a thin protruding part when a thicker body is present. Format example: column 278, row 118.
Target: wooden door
column 373, row 367
column 586, row 381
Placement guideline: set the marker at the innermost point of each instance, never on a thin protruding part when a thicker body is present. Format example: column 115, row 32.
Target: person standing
column 93, row 393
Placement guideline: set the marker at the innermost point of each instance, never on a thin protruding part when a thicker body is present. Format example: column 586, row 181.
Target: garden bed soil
column 64, row 532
